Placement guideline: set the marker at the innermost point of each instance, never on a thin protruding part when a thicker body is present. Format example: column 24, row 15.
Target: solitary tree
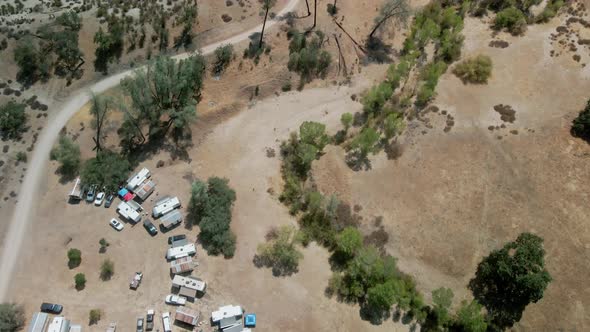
column 391, row 9
column 510, row 278
column 67, row 153
column 13, row 120
column 266, row 6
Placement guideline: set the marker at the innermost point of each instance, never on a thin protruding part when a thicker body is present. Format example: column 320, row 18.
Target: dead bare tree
column 357, row 44
column 99, row 109
column 341, row 59
column 398, row 9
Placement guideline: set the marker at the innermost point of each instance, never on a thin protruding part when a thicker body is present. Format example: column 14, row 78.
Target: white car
column 116, row 224
column 166, row 322
column 99, row 198
column 175, row 299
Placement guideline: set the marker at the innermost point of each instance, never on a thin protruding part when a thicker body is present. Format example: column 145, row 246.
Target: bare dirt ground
column 453, row 197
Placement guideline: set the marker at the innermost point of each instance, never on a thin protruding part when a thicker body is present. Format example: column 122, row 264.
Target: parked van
column 166, row 322
column 165, row 205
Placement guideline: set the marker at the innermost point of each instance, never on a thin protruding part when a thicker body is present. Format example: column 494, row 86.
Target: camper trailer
column 76, row 193
column 165, row 205
column 138, row 178
column 128, row 212
column 171, row 219
column 179, row 252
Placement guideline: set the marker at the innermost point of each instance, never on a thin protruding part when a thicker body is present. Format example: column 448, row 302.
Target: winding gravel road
column 37, row 166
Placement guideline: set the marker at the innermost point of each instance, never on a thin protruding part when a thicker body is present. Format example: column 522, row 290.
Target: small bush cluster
column 476, row 70
column 280, row 251
column 74, row 258
column 107, row 269
column 223, row 57
column 13, row 120
column 210, row 208
column 550, row 11
column 511, row 19
column 67, row 153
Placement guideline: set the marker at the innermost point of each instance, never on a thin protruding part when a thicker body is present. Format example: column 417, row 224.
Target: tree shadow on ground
column 278, row 270
column 378, row 51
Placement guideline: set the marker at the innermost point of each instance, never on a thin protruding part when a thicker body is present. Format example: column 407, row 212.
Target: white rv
column 179, row 252
column 128, row 212
column 138, row 178
column 171, row 219
column 165, row 205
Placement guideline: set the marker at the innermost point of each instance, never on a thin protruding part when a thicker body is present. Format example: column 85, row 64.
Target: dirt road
column 26, row 199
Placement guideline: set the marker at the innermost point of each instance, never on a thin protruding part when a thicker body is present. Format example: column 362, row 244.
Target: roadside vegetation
column 210, row 208
column 581, row 124
column 476, row 70
column 67, row 154
column 12, row 317
column 13, row 120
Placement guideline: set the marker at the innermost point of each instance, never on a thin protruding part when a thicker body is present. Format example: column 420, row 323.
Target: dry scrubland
column 466, row 183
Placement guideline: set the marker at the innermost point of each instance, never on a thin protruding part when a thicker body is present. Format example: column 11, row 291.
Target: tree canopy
column 108, row 169
column 13, row 120
column 280, row 252
column 67, row 153
column 581, row 124
column 510, row 278
column 12, row 317
column 163, row 98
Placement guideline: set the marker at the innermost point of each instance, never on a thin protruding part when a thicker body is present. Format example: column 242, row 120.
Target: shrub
column 12, row 317
column 332, row 10
column 581, row 124
column 67, row 153
column 223, row 57
column 21, row 156
column 286, row 87
column 94, row 316
column 104, row 244
column 74, row 258
column 107, row 269
column 306, row 57
column 476, row 70
column 80, row 281
column 13, row 120
column 550, row 11
column 511, row 19
column 280, row 252
column 346, row 120
column 376, row 98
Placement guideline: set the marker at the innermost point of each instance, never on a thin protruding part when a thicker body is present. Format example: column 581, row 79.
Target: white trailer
column 76, row 193
column 165, row 205
column 39, row 322
column 182, row 265
column 136, row 179
column 129, row 213
column 171, row 219
column 179, row 252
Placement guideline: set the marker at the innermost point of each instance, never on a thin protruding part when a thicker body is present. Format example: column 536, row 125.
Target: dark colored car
column 176, row 238
column 51, row 308
column 150, row 227
column 109, row 201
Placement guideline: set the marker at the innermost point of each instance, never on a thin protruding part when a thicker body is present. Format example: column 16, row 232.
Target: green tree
column 80, row 281
column 12, row 317
column 393, row 124
column 475, row 70
column 314, row 133
column 32, row 64
column 109, row 44
column 107, row 269
column 198, row 201
column 74, row 258
column 164, row 96
column 470, row 317
column 187, row 18
column 223, row 57
column 581, row 124
column 508, row 279
column 348, row 242
column 346, row 120
column 365, row 142
column 216, row 235
column 280, row 252
column 376, row 98
column 13, row 120
column 108, row 169
column 67, row 153
column 94, row 316
column 442, row 299
column 100, row 108
column 266, row 6
column 511, row 19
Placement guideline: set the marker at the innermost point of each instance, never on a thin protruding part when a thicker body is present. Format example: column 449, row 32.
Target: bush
column 376, row 98
column 21, row 156
column 74, row 258
column 476, row 70
column 80, row 281
column 94, row 316
column 12, row 317
column 103, row 245
column 107, row 269
column 550, row 11
column 13, row 120
column 332, row 10
column 280, row 252
column 306, row 57
column 581, row 124
column 511, row 19
column 286, row 87
column 67, row 153
column 223, row 57
column 346, row 120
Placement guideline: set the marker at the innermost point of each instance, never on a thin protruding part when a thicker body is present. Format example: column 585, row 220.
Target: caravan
column 138, row 178
column 179, row 252
column 165, row 205
column 129, row 213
